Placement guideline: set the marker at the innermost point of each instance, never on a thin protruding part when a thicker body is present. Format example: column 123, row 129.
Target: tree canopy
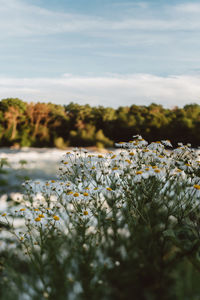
column 50, row 125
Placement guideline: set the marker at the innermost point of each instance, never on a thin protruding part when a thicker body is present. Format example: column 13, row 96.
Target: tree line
column 52, row 125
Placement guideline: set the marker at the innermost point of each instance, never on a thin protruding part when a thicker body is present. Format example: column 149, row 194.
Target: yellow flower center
column 41, row 216
column 131, row 154
column 69, row 193
column 37, row 219
column 76, row 194
column 128, row 161
column 196, row 186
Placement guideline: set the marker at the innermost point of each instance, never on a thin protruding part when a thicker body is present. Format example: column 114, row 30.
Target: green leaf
column 169, row 233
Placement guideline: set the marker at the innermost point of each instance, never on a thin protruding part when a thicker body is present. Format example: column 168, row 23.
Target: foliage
column 59, row 143
column 3, row 174
column 123, row 225
column 41, row 124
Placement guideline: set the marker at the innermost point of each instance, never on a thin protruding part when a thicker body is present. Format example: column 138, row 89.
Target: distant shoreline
column 43, row 149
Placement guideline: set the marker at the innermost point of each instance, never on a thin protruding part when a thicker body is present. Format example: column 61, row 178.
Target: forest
column 40, row 124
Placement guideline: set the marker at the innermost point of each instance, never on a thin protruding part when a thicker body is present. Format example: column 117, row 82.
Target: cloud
column 18, row 18
column 110, row 90
column 136, row 37
column 129, row 5
column 188, row 8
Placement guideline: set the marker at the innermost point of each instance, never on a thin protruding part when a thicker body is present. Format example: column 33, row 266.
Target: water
column 26, row 163
column 42, row 163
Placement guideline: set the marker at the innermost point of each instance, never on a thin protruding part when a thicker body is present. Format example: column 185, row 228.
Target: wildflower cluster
column 113, row 225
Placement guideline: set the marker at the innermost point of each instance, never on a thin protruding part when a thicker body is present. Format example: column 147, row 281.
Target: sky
column 101, row 52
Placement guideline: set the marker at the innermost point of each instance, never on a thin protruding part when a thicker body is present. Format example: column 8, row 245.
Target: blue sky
column 109, row 52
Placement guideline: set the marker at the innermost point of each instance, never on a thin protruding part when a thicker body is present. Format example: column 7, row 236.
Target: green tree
column 12, row 110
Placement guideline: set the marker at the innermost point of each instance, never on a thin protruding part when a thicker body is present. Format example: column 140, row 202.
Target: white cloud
column 188, row 8
column 19, row 18
column 116, row 90
column 136, row 37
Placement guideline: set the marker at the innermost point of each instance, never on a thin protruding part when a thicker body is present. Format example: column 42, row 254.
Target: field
column 119, row 225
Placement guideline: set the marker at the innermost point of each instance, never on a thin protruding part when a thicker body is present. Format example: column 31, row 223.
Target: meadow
column 119, row 225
